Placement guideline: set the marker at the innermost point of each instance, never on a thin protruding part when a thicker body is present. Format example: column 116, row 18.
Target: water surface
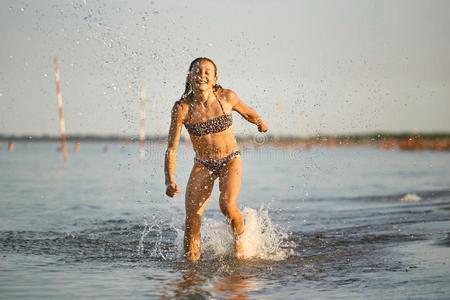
column 346, row 222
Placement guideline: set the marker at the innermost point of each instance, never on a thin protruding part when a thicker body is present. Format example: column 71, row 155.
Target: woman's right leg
column 198, row 191
column 229, row 186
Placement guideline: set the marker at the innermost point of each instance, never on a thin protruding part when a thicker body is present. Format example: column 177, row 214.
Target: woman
column 205, row 110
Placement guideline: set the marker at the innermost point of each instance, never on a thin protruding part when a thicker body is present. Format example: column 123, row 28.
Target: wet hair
column 188, row 87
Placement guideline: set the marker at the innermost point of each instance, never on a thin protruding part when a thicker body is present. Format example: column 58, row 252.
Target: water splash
column 157, row 238
column 411, row 197
column 261, row 239
column 143, row 235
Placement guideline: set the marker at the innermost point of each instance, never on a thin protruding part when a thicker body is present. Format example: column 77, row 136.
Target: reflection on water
column 219, row 278
column 236, row 286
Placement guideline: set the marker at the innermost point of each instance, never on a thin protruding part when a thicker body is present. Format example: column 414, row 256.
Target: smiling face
column 202, row 76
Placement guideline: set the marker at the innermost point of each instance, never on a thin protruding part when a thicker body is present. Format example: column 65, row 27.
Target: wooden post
column 60, row 109
column 142, row 100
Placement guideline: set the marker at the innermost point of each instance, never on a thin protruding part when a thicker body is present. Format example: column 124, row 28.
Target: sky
column 307, row 67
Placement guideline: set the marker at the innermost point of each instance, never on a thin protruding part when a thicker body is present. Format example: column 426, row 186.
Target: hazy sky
column 306, row 66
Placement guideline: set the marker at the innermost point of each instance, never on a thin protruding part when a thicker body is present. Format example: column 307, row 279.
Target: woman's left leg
column 229, row 187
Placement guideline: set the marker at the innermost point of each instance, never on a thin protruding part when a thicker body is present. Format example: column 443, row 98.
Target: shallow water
column 326, row 223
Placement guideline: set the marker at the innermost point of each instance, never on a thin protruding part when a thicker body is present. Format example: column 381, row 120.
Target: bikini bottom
column 215, row 166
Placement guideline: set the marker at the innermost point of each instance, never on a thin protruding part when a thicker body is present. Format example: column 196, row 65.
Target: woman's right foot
column 239, row 247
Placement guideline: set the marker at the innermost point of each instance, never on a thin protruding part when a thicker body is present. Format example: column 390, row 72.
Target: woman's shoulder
column 180, row 107
column 227, row 94
column 181, row 104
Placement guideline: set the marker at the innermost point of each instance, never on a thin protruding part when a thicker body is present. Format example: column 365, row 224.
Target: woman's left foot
column 194, row 251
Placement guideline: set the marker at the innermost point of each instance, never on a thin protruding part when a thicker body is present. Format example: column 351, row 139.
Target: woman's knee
column 228, row 209
column 193, row 216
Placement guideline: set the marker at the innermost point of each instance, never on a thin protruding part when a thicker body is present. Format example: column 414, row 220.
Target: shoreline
column 405, row 141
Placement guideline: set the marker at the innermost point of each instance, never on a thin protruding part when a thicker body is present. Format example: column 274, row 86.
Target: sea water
column 320, row 223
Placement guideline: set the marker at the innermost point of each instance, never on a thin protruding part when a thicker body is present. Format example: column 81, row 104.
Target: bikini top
column 213, row 125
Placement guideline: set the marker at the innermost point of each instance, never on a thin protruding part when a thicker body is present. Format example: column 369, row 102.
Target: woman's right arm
column 176, row 124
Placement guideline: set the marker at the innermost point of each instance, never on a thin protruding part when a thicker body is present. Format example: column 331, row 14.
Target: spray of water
column 154, row 227
column 261, row 239
column 143, row 235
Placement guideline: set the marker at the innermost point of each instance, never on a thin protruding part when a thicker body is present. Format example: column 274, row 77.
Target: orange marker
column 10, row 146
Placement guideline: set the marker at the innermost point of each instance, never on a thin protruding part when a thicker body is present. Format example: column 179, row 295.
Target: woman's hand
column 262, row 126
column 172, row 189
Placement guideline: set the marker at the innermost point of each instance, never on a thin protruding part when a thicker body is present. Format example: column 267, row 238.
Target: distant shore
column 403, row 141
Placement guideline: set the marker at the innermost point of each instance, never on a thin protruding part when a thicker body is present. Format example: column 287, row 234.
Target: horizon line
column 135, row 137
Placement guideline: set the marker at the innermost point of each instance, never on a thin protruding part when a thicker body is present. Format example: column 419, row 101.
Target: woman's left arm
column 246, row 111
